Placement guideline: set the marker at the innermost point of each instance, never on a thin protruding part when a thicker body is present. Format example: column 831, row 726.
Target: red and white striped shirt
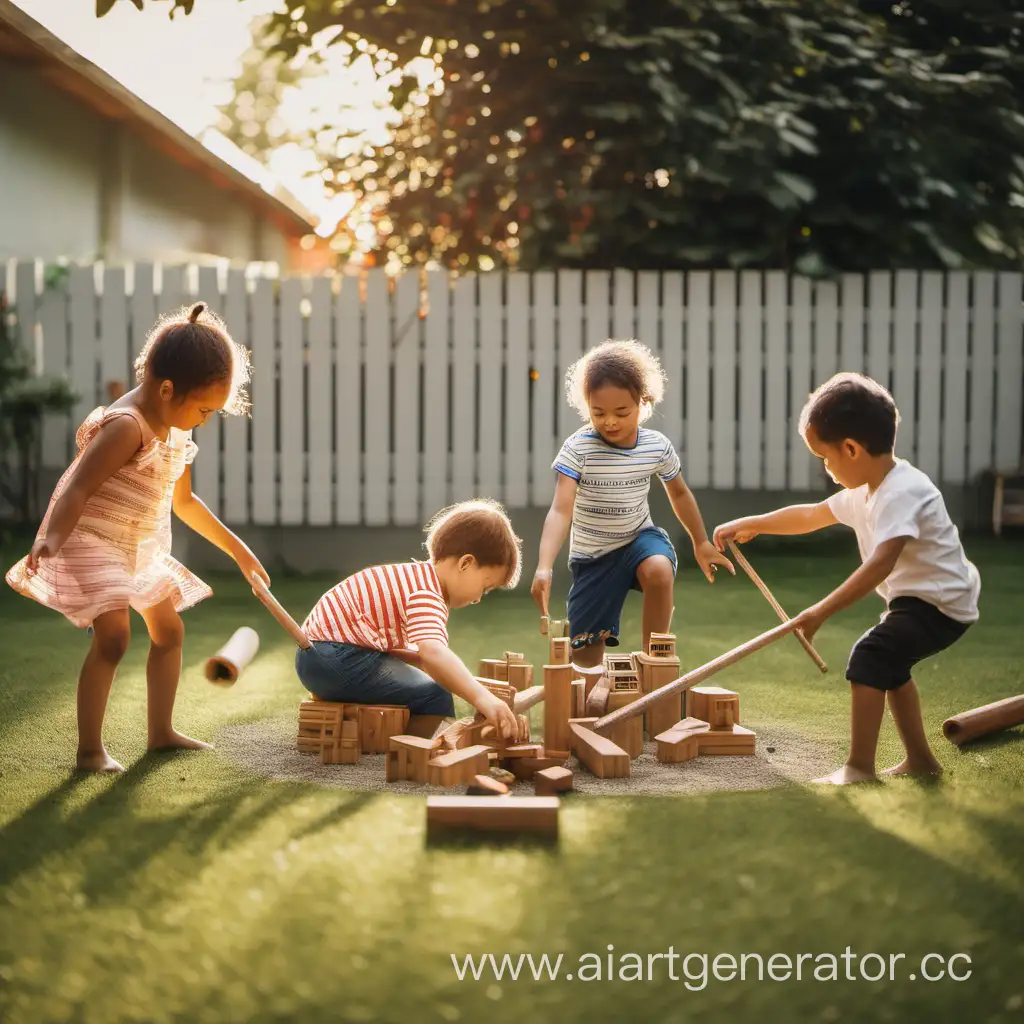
column 384, row 607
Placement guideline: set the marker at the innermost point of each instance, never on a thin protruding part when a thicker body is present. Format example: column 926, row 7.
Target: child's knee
column 111, row 641
column 169, row 634
column 655, row 573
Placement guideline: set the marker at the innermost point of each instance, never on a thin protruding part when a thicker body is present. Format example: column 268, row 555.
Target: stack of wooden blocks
column 339, row 733
column 712, row 728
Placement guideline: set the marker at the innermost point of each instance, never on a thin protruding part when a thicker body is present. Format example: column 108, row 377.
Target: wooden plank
column 983, row 349
column 624, row 308
column 904, row 361
column 751, row 380
column 142, row 307
column 851, row 324
column 235, row 429
column 826, row 331
column 879, row 327
column 348, row 403
column 510, row 814
column 491, row 328
column 26, row 301
column 723, row 366
column 598, row 308
column 604, row 758
column 954, row 379
column 206, row 470
column 570, row 347
column 546, row 390
column 320, row 404
column 58, row 431
column 83, row 342
column 929, row 371
column 698, row 378
column 408, row 360
column 173, row 290
column 661, row 330
column 1009, row 373
column 801, row 385
column 464, row 311
column 776, row 422
column 293, row 405
column 437, row 365
column 517, row 394
column 264, row 403
column 114, row 332
column 377, row 411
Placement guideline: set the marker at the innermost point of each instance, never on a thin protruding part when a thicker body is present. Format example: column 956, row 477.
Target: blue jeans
column 361, row 675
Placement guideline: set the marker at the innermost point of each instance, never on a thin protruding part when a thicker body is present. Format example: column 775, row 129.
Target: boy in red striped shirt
column 381, row 637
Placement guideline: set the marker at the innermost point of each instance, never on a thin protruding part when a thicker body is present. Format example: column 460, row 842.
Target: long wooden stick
column 259, row 588
column 762, row 586
column 698, row 675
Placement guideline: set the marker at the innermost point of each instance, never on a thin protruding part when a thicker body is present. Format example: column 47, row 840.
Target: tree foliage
column 825, row 136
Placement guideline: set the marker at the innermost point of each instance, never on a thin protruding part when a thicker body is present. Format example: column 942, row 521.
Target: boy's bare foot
column 97, row 761
column 177, row 741
column 846, row 776
column 908, row 767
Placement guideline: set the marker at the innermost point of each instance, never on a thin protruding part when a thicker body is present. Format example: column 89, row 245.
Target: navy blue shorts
column 361, row 675
column 910, row 631
column 600, row 586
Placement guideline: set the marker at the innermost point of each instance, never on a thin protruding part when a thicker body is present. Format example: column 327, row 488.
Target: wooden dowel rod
column 259, row 588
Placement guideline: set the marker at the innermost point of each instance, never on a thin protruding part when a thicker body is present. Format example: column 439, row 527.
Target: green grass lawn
column 188, row 890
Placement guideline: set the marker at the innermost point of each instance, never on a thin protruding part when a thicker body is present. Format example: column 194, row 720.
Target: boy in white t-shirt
column 911, row 554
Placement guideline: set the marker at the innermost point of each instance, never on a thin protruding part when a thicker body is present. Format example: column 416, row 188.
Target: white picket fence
column 377, row 401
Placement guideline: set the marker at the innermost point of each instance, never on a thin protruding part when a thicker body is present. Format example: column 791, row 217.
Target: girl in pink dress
column 104, row 545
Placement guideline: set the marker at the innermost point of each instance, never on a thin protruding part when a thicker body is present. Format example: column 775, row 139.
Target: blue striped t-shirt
column 611, row 502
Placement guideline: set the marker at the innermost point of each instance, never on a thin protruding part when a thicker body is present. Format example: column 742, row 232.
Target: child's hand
column 250, row 566
column 738, row 530
column 809, row 621
column 708, row 558
column 43, row 548
column 540, row 590
column 501, row 716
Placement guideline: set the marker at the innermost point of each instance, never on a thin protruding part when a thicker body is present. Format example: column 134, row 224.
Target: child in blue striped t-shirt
column 604, row 475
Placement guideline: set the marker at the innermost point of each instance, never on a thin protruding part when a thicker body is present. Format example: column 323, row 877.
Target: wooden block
column 524, row 768
column 677, row 747
column 550, row 781
column 691, row 725
column 560, row 649
column 520, row 675
column 484, row 785
column 654, row 673
column 735, row 742
column 513, row 656
column 579, row 698
column 495, row 669
column 702, row 700
column 629, row 734
column 409, row 758
column 544, row 621
column 522, row 750
column 590, row 676
column 344, row 748
column 661, row 645
column 557, row 705
column 585, row 722
column 557, row 755
column 526, row 699
column 500, row 690
column 457, row 767
column 511, row 814
column 597, row 697
column 600, row 754
column 724, row 712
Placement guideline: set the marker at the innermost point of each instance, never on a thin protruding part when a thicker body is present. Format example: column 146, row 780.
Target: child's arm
column 859, row 584
column 684, row 504
column 114, row 444
column 556, row 528
column 191, row 510
column 445, row 667
column 789, row 521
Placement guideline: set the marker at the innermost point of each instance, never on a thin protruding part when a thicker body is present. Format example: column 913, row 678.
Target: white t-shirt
column 932, row 564
column 611, row 502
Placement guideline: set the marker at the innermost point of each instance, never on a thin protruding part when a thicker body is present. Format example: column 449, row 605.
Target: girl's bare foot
column 908, row 767
column 175, row 740
column 97, row 761
column 846, row 776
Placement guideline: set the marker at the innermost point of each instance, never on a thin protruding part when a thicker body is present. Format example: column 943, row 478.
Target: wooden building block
column 550, row 781
column 629, row 734
column 661, row 645
column 344, row 748
column 734, row 742
column 319, row 723
column 494, row 668
column 512, row 814
column 458, row 767
column 525, row 768
column 591, row 676
column 484, row 785
column 409, row 758
column 526, row 699
column 604, row 758
column 677, row 747
column 691, row 725
column 500, row 690
column 511, row 657
column 653, row 673
column 585, row 722
column 522, row 750
column 520, row 675
column 559, row 653
column 544, row 622
column 579, row 698
column 557, row 705
column 709, row 703
column 377, row 724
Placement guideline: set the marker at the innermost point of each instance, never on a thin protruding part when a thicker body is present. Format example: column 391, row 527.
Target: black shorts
column 910, row 631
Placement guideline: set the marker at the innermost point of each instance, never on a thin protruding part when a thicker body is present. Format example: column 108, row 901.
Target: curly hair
column 193, row 349
column 480, row 528
column 850, row 405
column 624, row 364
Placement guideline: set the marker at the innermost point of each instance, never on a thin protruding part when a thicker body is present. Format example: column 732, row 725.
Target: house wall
column 75, row 185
